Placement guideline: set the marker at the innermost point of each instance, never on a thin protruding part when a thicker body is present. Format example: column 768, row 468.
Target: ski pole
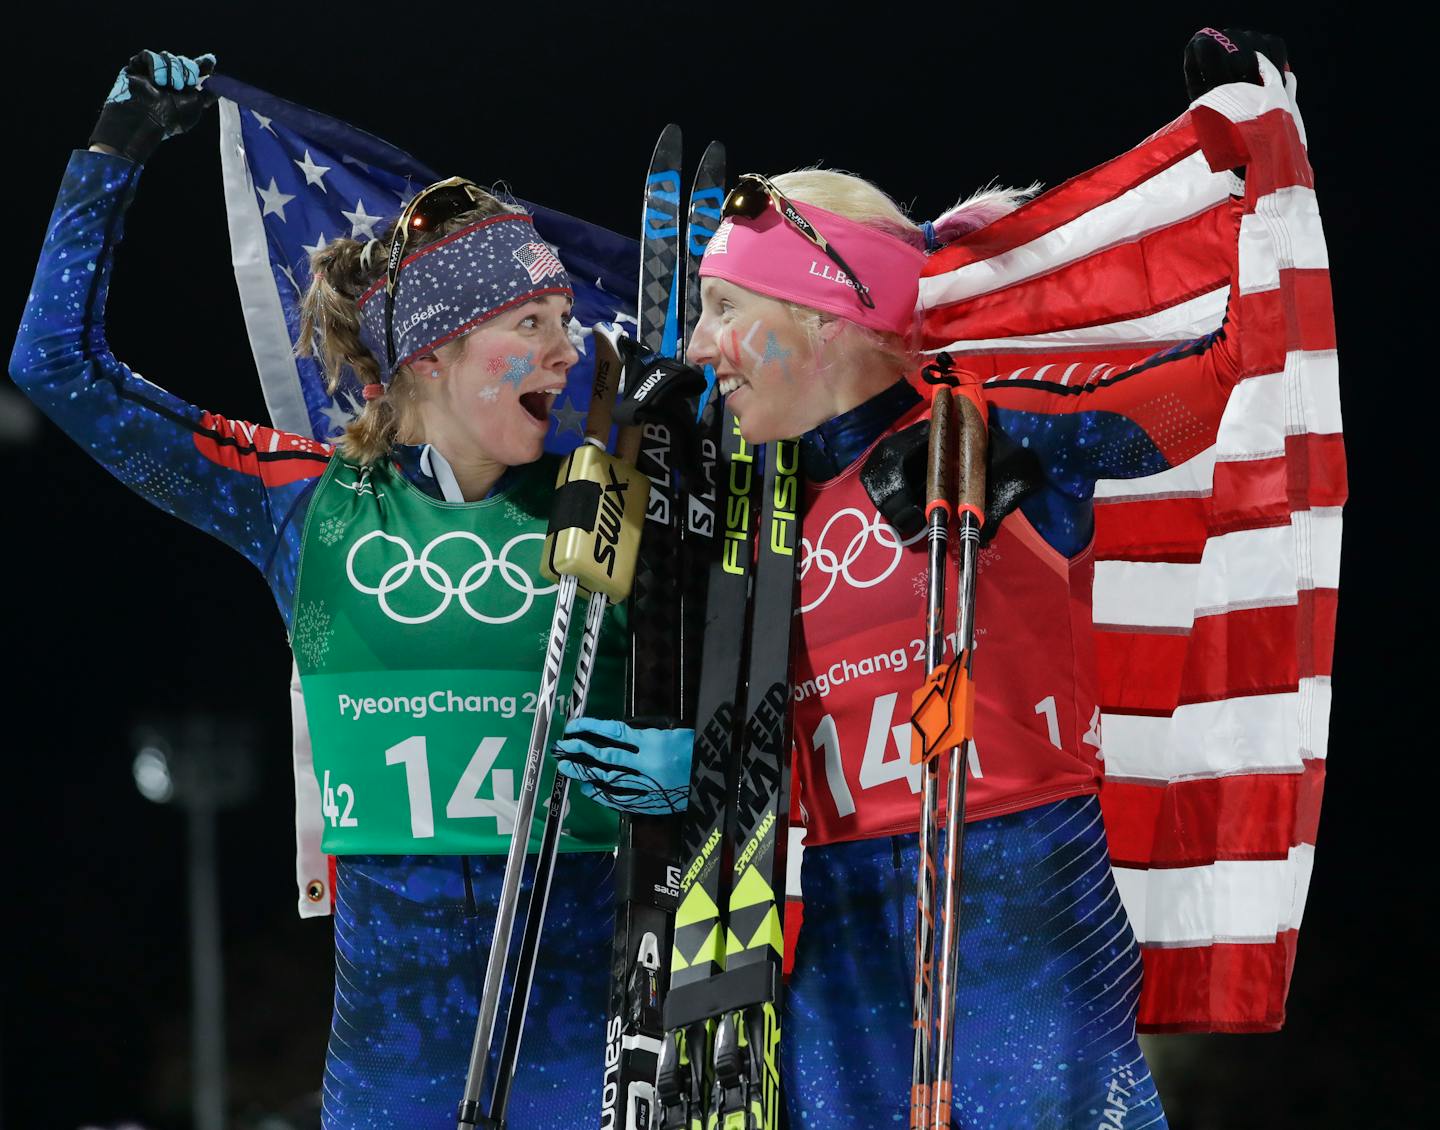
column 595, row 522
column 939, row 490
column 972, row 445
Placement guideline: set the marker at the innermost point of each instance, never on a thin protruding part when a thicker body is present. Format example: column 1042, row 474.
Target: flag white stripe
column 259, row 300
column 1185, row 189
column 1256, row 418
column 1193, row 478
column 1244, row 101
column 1145, row 594
column 1282, row 232
column 1202, row 740
column 1227, row 901
column 1319, row 380
column 1244, row 569
column 1182, row 322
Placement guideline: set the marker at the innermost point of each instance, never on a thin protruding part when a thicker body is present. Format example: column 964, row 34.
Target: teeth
column 728, row 385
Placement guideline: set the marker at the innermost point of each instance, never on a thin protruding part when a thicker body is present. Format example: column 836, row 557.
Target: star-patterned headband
column 452, row 285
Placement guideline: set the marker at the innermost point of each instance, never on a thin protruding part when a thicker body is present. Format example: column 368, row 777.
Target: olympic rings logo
column 817, row 555
column 438, row 579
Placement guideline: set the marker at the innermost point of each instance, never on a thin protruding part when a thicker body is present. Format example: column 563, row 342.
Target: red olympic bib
column 862, row 655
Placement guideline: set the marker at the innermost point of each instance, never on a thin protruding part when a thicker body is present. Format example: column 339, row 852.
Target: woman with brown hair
column 405, row 563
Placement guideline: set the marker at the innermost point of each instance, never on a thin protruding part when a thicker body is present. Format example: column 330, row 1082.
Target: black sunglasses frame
column 738, row 203
column 443, row 200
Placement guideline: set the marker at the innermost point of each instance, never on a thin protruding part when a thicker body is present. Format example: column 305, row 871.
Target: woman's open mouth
column 538, row 402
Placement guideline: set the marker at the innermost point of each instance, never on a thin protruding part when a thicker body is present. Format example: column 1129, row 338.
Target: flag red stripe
column 1179, row 262
column 1294, row 315
column 1273, row 135
column 1248, row 494
column 1225, row 987
column 1070, row 200
column 1195, row 823
column 1243, row 652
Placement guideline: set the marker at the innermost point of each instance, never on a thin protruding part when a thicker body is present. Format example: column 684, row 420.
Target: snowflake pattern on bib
column 313, row 631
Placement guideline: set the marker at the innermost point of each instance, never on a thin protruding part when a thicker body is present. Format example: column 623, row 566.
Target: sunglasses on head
column 750, row 197
column 427, row 210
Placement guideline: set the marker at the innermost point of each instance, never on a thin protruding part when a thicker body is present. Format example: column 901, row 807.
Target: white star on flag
column 319, row 244
column 314, row 174
column 275, row 201
column 337, row 414
column 577, row 333
column 264, row 122
column 361, row 221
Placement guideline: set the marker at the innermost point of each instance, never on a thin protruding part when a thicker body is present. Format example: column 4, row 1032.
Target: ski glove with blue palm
column 645, row 771
column 157, row 95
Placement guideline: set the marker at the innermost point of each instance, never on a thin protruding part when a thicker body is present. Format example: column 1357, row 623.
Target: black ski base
column 726, row 992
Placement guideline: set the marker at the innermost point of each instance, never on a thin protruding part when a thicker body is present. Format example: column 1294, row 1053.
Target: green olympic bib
column 419, row 630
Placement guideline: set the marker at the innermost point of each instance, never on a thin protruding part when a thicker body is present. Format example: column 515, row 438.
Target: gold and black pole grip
column 600, row 499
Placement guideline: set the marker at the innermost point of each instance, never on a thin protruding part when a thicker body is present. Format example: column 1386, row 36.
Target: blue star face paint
column 518, row 368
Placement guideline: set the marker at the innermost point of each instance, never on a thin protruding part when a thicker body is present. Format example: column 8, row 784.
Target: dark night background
column 117, row 613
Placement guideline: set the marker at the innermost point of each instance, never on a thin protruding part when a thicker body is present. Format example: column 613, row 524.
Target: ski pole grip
column 609, row 369
column 940, row 477
column 973, row 439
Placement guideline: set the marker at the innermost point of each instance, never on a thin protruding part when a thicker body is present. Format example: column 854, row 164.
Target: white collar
column 435, row 465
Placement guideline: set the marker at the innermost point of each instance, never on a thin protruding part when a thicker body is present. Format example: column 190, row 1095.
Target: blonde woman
column 404, row 561
column 814, row 339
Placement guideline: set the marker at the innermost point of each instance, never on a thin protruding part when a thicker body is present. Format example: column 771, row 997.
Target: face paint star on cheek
column 774, row 353
column 518, row 368
column 489, row 392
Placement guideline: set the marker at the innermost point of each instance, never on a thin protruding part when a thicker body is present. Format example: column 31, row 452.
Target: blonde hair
column 340, row 272
column 858, row 199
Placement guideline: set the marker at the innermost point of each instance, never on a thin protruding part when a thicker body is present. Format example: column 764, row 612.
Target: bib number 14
column 465, row 801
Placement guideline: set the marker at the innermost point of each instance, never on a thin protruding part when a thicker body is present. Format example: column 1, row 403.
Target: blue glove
column 641, row 771
column 157, row 95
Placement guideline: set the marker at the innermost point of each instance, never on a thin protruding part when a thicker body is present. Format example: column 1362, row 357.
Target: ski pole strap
column 942, row 711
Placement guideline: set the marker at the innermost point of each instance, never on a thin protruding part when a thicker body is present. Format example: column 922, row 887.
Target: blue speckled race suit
column 1049, row 978
column 411, row 933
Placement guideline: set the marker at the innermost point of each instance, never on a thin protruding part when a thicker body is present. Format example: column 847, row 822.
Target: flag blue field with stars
column 296, row 179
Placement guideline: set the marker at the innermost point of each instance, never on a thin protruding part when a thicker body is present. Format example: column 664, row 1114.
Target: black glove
column 894, row 478
column 157, row 95
column 1214, row 58
column 666, row 391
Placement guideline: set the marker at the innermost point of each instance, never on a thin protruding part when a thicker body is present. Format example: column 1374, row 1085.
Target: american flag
column 538, row 260
column 1215, row 582
column 296, row 179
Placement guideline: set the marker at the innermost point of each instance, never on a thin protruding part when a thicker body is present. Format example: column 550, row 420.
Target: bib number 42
column 330, row 804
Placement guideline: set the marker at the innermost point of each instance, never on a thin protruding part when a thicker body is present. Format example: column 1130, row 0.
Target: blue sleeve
column 247, row 485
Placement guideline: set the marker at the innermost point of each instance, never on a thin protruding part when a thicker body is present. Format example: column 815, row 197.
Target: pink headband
column 768, row 255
